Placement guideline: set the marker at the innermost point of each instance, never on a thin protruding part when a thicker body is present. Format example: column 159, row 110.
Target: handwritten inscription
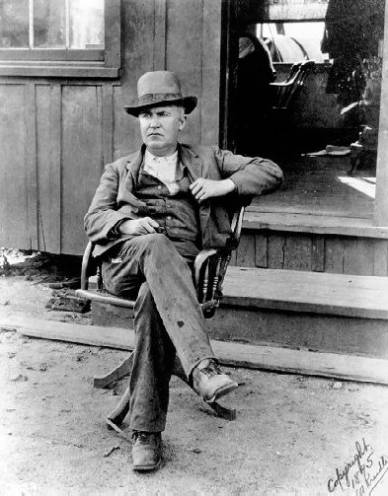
column 361, row 474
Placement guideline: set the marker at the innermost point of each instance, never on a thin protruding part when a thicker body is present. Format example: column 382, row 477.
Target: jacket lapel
column 191, row 161
column 128, row 184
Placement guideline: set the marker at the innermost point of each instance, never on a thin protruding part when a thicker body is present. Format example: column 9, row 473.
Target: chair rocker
column 209, row 271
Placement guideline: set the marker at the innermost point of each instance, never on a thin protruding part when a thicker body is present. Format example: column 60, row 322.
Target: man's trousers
column 167, row 317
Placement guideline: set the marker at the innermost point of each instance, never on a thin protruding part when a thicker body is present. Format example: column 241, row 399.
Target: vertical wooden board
column 380, row 262
column 126, row 134
column 107, row 122
column 211, row 64
column 246, row 251
column 81, row 160
column 381, row 203
column 138, row 21
column 261, row 250
column 359, row 256
column 160, row 32
column 31, row 163
column 318, row 253
column 184, row 55
column 297, row 252
column 276, row 246
column 334, row 255
column 233, row 258
column 13, row 185
column 48, row 105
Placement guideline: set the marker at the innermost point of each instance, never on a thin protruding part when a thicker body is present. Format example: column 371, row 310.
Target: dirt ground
column 293, row 435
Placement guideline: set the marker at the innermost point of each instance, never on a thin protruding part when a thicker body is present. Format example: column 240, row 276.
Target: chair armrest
column 86, row 265
column 283, row 84
column 210, row 267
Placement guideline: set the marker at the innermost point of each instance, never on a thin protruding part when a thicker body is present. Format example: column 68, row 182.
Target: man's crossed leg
column 168, row 321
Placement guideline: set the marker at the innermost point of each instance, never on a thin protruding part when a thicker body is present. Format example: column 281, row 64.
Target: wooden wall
column 57, row 134
column 313, row 252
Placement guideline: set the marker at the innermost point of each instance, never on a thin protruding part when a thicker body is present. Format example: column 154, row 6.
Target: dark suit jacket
column 115, row 198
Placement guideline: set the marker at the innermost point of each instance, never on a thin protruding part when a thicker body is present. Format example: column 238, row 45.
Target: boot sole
column 222, row 391
column 147, row 468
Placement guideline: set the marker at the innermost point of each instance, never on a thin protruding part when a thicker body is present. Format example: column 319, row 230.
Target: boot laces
column 212, row 369
column 141, row 437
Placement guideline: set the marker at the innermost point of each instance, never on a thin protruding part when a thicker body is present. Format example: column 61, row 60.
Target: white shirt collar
column 163, row 168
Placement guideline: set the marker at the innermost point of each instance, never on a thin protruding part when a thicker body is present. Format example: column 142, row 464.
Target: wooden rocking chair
column 209, row 271
column 286, row 91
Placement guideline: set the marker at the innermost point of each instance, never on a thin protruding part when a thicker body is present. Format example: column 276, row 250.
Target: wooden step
column 338, row 366
column 315, row 292
column 305, row 310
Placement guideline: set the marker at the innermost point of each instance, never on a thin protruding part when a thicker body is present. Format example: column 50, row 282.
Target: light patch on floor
column 365, row 185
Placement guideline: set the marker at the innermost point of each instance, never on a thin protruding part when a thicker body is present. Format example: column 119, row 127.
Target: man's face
column 160, row 126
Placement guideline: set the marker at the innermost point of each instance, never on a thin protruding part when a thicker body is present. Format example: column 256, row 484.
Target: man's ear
column 182, row 121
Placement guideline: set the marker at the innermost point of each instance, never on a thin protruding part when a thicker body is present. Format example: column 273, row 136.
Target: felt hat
column 160, row 88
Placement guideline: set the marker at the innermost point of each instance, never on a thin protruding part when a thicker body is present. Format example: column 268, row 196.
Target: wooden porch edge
column 316, row 224
column 275, row 359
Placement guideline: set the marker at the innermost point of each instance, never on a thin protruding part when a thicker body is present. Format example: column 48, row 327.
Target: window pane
column 14, row 23
column 49, row 24
column 86, row 24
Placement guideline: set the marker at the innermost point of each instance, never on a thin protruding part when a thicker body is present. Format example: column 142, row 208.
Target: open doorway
column 325, row 135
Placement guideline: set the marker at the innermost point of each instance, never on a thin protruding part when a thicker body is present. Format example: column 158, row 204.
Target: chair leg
column 114, row 375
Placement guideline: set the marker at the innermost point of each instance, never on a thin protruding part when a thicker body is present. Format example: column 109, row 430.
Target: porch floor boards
column 321, row 186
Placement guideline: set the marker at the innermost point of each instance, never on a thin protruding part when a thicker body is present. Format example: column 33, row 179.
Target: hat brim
column 188, row 103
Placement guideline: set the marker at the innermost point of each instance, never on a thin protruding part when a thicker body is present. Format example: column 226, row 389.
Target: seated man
column 153, row 211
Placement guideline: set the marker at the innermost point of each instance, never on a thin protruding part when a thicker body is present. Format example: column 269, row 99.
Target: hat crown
column 158, row 83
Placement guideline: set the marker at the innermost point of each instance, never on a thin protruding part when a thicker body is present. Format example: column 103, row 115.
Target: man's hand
column 202, row 189
column 137, row 227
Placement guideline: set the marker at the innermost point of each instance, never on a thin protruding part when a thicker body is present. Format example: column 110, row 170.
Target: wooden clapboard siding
column 56, row 134
column 14, row 187
column 312, row 252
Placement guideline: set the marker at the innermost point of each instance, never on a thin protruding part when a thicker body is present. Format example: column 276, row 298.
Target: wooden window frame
column 53, row 62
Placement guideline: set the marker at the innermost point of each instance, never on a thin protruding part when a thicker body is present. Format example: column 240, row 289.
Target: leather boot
column 210, row 382
column 146, row 450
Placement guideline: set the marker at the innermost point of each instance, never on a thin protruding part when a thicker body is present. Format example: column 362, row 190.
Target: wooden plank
column 210, row 66
column 54, row 70
column 261, row 250
column 14, row 229
column 299, row 330
column 334, row 255
column 276, row 244
column 317, row 292
column 246, row 251
column 284, row 10
column 318, row 224
column 318, row 253
column 184, row 55
column 297, row 252
column 160, row 35
column 138, row 57
column 358, row 256
column 345, row 367
column 381, row 203
column 48, row 117
column 107, row 123
column 82, row 160
column 380, row 262
column 31, row 164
